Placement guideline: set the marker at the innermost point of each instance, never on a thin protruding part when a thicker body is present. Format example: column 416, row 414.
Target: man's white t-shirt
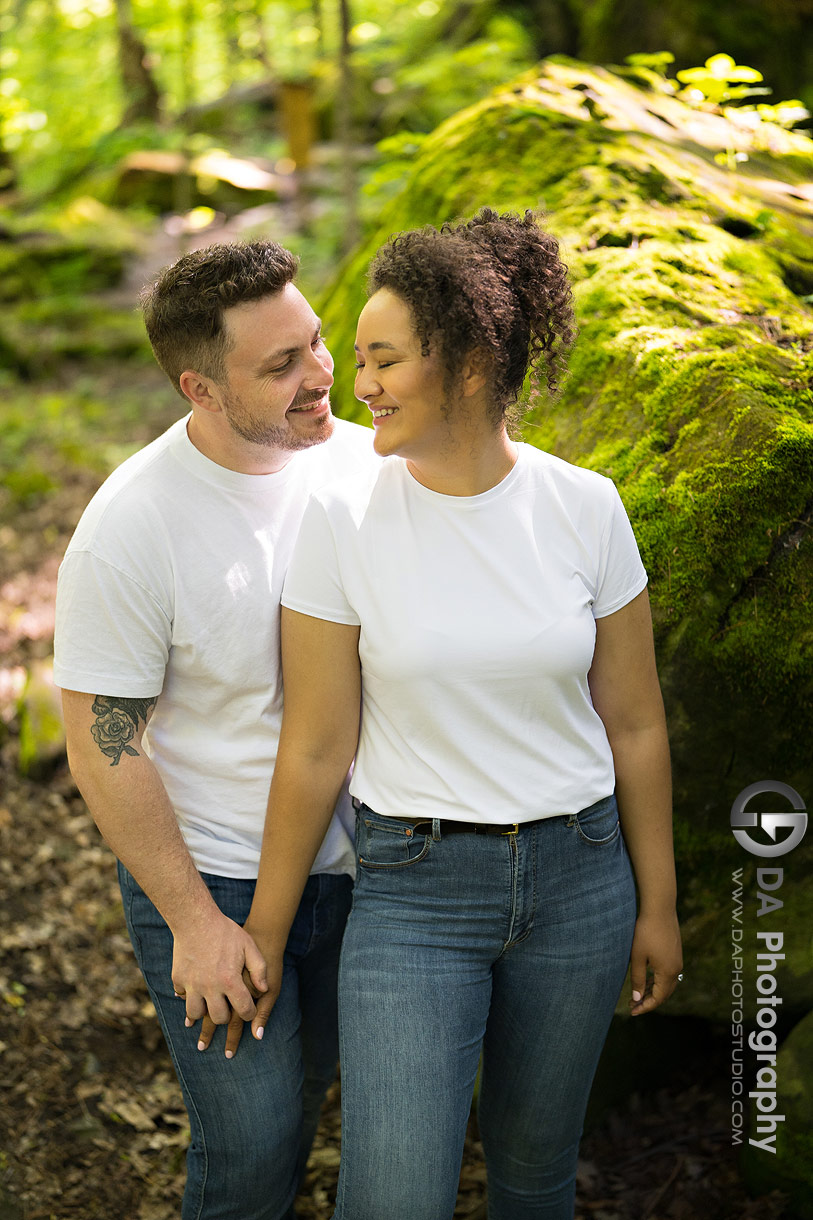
column 477, row 623
column 170, row 587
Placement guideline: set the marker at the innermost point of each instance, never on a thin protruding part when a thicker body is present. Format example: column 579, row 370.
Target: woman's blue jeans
column 515, row 945
column 253, row 1117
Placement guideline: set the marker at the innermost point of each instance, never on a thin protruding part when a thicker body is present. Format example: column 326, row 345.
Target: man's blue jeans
column 253, row 1117
column 516, row 945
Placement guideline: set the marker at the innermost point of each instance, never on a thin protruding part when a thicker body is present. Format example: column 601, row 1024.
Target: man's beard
column 275, row 435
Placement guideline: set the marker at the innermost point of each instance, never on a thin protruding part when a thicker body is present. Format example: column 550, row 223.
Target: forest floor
column 92, row 1126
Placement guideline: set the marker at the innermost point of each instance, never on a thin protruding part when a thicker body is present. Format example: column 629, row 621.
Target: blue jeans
column 514, row 945
column 252, row 1118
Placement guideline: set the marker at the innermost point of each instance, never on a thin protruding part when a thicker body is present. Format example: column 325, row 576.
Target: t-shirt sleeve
column 314, row 584
column 621, row 574
column 112, row 636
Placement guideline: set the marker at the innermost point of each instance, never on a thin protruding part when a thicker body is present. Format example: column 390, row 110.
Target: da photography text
column 754, row 1053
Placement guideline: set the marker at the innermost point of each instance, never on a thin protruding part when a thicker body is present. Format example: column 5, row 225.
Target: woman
column 484, row 604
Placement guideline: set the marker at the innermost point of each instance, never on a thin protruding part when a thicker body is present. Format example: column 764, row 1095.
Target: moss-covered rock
column 42, row 732
column 43, row 264
column 80, row 248
column 164, row 181
column 40, row 335
column 786, row 1164
column 691, row 388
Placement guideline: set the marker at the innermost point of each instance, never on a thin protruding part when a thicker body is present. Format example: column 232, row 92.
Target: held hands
column 265, row 998
column 656, row 950
column 218, row 970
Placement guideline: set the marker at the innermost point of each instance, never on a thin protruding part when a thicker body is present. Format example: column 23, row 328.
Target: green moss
column 42, row 734
column 690, row 386
column 47, row 331
column 50, row 266
column 788, row 1168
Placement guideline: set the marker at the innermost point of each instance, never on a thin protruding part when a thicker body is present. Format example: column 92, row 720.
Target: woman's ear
column 476, row 372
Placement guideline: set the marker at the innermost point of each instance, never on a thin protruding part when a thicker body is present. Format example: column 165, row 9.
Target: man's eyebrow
column 272, row 357
column 374, row 347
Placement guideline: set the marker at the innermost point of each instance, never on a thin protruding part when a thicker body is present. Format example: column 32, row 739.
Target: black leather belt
column 449, row 827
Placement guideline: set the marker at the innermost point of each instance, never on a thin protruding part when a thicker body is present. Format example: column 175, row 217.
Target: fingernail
column 201, row 1045
column 259, row 1033
column 188, row 1023
column 636, row 995
column 229, row 1054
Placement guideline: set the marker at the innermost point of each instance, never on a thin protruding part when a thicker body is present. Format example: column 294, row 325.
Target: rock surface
column 789, row 1165
column 691, row 388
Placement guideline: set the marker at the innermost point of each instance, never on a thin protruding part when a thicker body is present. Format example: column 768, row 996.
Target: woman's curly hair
column 493, row 285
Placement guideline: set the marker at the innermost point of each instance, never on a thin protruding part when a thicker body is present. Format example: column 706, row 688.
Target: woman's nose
column 366, row 386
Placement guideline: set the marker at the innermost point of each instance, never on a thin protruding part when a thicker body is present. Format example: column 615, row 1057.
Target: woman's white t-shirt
column 477, row 623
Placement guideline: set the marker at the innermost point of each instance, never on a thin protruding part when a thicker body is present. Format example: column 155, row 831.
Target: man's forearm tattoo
column 117, row 723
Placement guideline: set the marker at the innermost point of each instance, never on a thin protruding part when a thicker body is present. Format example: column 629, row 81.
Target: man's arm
column 626, row 694
column 131, row 808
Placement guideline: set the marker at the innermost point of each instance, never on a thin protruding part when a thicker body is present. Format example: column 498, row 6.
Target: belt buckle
column 514, row 829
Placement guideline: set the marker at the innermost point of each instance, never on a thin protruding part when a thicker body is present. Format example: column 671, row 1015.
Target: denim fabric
column 252, row 1118
column 513, row 945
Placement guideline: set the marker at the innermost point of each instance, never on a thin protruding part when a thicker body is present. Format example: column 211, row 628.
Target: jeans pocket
column 599, row 824
column 387, row 842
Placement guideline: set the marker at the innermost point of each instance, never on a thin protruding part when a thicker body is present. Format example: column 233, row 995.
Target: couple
column 485, row 604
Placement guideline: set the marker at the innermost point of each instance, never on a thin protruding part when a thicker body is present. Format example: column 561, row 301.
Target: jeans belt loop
column 435, row 830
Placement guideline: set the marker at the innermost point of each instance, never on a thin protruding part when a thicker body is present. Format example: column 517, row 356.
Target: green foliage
column 44, row 431
column 61, row 99
column 719, row 82
column 423, row 92
column 651, row 69
column 690, row 381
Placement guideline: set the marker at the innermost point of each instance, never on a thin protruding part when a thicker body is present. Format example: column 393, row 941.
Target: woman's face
column 402, row 388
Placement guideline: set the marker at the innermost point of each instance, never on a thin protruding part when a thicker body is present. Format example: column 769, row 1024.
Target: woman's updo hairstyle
column 494, row 286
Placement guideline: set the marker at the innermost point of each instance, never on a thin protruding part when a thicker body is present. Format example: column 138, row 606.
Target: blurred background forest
column 668, row 141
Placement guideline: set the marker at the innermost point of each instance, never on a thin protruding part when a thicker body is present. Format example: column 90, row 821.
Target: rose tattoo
column 116, row 724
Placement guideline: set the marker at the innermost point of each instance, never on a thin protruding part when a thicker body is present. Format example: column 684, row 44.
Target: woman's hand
column 265, row 1001
column 656, row 961
column 318, row 738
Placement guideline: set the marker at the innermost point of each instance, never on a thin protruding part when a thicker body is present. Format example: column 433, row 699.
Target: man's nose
column 321, row 370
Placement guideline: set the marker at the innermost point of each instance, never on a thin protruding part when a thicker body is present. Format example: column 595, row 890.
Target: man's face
column 279, row 373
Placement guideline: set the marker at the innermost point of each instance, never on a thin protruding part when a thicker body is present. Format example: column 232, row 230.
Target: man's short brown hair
column 183, row 309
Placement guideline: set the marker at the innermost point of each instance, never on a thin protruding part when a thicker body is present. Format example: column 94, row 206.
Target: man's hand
column 208, row 962
column 265, row 1000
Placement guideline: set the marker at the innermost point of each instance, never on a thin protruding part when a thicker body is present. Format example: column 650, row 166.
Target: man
column 167, row 651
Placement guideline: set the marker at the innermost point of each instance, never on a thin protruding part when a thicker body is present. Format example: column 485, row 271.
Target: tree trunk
column 8, row 177
column 344, row 132
column 554, row 25
column 142, row 99
column 230, row 34
column 261, row 52
column 186, row 55
column 467, row 21
column 318, row 21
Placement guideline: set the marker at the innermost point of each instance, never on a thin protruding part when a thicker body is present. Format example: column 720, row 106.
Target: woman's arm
column 626, row 694
column 321, row 679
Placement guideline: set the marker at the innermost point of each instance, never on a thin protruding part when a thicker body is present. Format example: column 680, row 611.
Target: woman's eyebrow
column 374, row 347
